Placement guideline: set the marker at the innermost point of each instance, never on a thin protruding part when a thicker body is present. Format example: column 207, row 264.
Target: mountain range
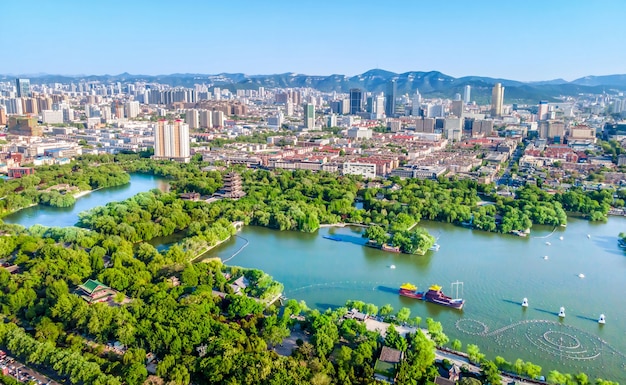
column 429, row 84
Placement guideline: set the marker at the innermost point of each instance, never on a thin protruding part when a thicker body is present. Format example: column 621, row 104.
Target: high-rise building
column 378, row 106
column 171, row 140
column 206, row 119
column 23, row 88
column 416, row 104
column 356, row 101
column 192, row 118
column 542, row 111
column 218, row 118
column 467, row 94
column 131, row 109
column 497, row 99
column 456, row 108
column 390, row 99
column 3, row 116
column 309, row 116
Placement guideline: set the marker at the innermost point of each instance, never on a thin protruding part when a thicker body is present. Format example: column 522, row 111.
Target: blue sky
column 522, row 40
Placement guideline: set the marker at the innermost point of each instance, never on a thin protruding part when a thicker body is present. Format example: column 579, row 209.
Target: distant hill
column 429, row 84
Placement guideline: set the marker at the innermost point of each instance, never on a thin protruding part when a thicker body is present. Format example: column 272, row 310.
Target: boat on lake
column 435, row 295
column 332, row 238
column 410, row 290
column 435, row 247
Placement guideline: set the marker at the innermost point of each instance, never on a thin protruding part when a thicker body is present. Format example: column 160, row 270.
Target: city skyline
column 532, row 41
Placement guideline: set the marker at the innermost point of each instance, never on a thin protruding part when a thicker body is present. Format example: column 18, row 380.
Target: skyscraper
column 356, row 101
column 23, row 88
column 466, row 94
column 390, row 99
column 542, row 111
column 171, row 140
column 309, row 116
column 192, row 118
column 497, row 99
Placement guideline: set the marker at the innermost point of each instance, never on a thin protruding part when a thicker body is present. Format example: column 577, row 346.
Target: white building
column 131, row 109
column 366, row 170
column 52, row 116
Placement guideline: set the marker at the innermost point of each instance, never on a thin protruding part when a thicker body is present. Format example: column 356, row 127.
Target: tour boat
column 434, row 247
column 525, row 302
column 548, row 243
column 581, row 275
column 562, row 312
column 392, row 266
column 410, row 290
column 435, row 295
column 601, row 320
column 545, row 257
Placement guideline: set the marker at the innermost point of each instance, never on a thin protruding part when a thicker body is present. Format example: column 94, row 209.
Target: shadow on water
column 546, row 311
column 512, row 302
column 387, row 289
column 609, row 244
column 346, row 238
column 583, row 317
column 321, row 305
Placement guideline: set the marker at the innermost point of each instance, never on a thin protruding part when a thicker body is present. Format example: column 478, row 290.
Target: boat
column 410, row 290
column 562, row 312
column 581, row 275
column 332, row 238
column 545, row 257
column 393, row 249
column 561, row 237
column 601, row 320
column 621, row 243
column 435, row 295
column 525, row 302
column 434, row 247
column 588, row 235
column 392, row 266
column 548, row 243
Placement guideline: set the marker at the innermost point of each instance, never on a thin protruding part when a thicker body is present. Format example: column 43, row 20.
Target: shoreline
column 342, row 224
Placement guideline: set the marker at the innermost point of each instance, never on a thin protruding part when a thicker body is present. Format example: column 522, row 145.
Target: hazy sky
column 522, row 40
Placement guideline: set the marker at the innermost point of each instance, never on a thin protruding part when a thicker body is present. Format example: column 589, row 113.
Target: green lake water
column 497, row 272
column 68, row 216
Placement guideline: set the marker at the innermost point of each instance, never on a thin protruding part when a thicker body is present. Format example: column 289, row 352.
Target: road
column 24, row 373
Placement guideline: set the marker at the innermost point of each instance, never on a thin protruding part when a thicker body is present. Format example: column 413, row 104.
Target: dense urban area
column 98, row 304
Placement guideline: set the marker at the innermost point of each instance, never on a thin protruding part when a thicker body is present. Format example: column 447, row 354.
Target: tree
column 403, row 314
column 457, row 345
column 386, row 310
column 473, row 353
column 377, row 234
column 555, row 377
column 491, row 373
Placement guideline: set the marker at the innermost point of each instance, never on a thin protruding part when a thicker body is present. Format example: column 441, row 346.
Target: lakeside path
column 458, row 358
column 342, row 224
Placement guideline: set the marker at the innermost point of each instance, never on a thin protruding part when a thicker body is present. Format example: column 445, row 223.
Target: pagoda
column 232, row 186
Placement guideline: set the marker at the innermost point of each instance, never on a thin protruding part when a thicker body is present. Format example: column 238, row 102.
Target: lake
column 497, row 272
column 68, row 216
